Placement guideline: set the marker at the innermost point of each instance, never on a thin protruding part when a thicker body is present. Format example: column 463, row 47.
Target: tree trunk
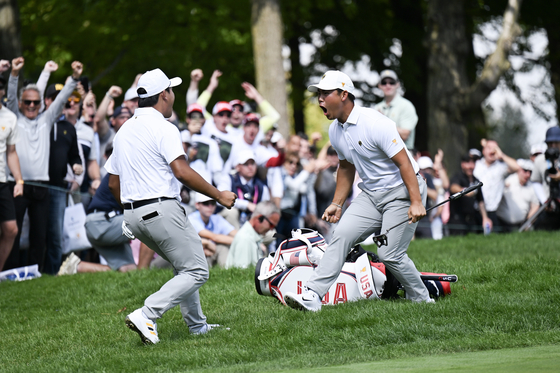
column 267, row 49
column 297, row 80
column 454, row 104
column 10, row 37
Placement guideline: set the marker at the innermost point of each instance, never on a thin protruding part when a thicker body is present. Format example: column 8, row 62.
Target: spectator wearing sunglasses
column 33, row 151
column 397, row 108
column 214, row 228
column 247, row 246
column 86, row 140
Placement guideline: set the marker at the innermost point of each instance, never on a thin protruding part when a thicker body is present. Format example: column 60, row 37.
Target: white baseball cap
column 155, row 81
column 525, row 164
column 425, row 162
column 244, row 156
column 333, row 79
column 130, row 94
column 539, row 148
column 202, row 198
column 388, row 74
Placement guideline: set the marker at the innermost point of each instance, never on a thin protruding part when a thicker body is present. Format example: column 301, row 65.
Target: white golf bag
column 289, row 268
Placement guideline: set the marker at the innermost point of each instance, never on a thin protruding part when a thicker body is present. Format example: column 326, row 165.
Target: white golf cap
column 276, row 136
column 155, row 81
column 388, row 74
column 130, row 94
column 525, row 164
column 539, row 148
column 243, row 157
column 333, row 79
column 425, row 162
column 202, row 198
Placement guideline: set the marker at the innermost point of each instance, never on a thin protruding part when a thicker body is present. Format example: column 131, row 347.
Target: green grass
column 508, row 296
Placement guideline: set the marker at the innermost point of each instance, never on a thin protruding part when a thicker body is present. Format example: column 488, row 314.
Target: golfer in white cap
column 146, row 170
column 368, row 142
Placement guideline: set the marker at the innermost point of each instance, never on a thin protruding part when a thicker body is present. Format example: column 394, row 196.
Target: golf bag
column 363, row 276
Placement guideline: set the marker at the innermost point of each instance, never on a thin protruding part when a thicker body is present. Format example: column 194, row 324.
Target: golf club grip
column 445, row 278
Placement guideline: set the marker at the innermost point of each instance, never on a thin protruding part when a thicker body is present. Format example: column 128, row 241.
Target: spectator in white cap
column 475, row 154
column 214, row 228
column 147, row 167
column 250, row 190
column 537, row 149
column 396, row 107
column 519, row 202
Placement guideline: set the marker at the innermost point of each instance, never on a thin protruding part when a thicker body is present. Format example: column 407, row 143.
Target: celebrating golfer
column 366, row 141
column 147, row 168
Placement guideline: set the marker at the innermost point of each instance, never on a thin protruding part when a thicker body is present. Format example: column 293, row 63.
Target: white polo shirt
column 369, row 140
column 8, row 136
column 142, row 150
column 492, row 177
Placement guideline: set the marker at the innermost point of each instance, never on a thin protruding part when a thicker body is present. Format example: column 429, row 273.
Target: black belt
column 144, row 202
column 108, row 214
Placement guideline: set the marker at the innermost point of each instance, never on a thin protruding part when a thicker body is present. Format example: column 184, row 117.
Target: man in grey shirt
column 33, row 150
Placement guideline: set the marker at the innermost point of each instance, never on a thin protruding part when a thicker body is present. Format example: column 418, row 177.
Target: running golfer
column 366, row 141
column 146, row 170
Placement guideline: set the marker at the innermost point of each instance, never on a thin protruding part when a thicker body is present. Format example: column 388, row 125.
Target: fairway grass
column 511, row 360
column 503, row 312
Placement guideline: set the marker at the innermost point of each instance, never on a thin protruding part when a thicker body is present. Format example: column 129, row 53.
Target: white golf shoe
column 70, row 265
column 146, row 328
column 308, row 300
column 207, row 327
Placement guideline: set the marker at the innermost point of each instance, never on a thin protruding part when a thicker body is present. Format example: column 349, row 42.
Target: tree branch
column 497, row 63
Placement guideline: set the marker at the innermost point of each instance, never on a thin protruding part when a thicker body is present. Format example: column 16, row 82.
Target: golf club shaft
column 453, row 197
column 445, row 278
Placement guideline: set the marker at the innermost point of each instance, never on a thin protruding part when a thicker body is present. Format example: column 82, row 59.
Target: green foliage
column 507, row 296
column 118, row 39
column 510, row 130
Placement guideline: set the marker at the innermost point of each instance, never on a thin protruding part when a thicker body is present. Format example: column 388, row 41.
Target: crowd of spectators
column 57, row 137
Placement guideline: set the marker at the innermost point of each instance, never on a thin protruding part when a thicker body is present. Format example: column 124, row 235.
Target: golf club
column 381, row 240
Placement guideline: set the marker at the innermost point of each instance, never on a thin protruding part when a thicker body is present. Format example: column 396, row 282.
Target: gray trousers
column 171, row 235
column 367, row 214
column 107, row 239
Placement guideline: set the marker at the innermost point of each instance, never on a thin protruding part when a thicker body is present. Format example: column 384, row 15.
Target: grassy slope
column 507, row 296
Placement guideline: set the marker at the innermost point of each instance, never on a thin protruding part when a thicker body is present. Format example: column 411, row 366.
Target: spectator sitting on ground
column 212, row 227
column 247, row 246
column 104, row 232
column 492, row 170
column 519, row 202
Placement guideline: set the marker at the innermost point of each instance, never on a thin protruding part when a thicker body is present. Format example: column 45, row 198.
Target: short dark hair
column 350, row 95
column 148, row 101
